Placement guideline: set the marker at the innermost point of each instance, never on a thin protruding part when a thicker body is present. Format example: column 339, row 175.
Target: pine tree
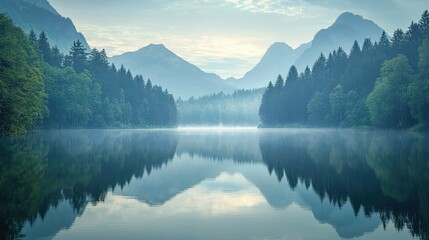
column 319, row 72
column 292, row 76
column 398, row 41
column 57, row 57
column 307, row 74
column 319, row 66
column 413, row 38
column 355, row 51
column 45, row 48
column 279, row 83
column 33, row 38
column 367, row 45
column 384, row 42
column 424, row 22
column 266, row 108
column 78, row 56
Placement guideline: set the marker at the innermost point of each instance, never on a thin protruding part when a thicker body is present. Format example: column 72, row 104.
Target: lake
column 197, row 183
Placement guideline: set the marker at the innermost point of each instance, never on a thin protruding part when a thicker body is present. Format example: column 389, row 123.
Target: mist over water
column 215, row 183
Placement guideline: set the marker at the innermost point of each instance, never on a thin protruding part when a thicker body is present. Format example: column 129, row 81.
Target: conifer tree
column 292, row 76
column 45, row 48
column 78, row 56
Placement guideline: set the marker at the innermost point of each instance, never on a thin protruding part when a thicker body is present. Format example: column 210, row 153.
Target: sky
column 226, row 37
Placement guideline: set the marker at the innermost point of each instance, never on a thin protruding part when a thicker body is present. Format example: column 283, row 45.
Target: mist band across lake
column 215, row 184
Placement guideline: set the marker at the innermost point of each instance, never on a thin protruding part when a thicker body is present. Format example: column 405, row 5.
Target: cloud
column 288, row 8
column 226, row 56
column 227, row 37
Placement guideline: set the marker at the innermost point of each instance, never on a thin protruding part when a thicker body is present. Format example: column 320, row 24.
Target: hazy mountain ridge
column 182, row 78
column 280, row 57
column 43, row 4
column 346, row 29
column 167, row 69
column 272, row 63
column 39, row 15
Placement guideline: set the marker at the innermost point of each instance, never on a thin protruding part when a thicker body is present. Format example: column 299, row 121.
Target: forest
column 237, row 109
column 383, row 84
column 42, row 88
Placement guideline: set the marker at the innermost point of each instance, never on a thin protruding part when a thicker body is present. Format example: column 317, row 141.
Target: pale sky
column 226, row 37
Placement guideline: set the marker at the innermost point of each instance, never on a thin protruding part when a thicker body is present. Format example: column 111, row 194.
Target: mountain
column 165, row 68
column 280, row 57
column 39, row 15
column 275, row 61
column 43, row 4
column 346, row 29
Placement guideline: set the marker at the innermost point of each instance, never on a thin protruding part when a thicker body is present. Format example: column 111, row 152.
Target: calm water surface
column 215, row 184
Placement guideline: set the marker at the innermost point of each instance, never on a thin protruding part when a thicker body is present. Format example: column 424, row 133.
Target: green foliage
column 366, row 87
column 387, row 103
column 418, row 97
column 44, row 47
column 338, row 104
column 70, row 97
column 356, row 110
column 21, row 80
column 80, row 90
column 318, row 108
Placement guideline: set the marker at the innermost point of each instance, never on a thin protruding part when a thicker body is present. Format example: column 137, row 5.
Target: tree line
column 42, row 88
column 383, row 84
column 238, row 108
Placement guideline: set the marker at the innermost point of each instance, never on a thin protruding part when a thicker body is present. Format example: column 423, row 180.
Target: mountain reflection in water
column 216, row 184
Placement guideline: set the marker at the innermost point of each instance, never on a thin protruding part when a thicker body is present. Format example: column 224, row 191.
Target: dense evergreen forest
column 238, row 108
column 383, row 84
column 42, row 88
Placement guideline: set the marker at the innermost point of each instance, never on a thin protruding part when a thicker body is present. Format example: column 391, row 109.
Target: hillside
column 165, row 68
column 39, row 15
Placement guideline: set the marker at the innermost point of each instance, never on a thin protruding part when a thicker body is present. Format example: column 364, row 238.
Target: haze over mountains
column 182, row 78
column 39, row 15
column 165, row 68
column 274, row 62
column 280, row 57
column 346, row 29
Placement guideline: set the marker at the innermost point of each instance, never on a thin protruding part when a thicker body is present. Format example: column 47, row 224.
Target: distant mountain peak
column 154, row 48
column 279, row 45
column 348, row 16
column 278, row 48
column 165, row 68
column 43, row 4
column 351, row 19
column 158, row 51
column 346, row 29
column 156, row 45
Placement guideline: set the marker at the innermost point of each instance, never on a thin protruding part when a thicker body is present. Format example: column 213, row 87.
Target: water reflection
column 247, row 184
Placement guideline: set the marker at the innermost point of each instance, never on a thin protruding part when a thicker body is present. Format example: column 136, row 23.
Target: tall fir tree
column 45, row 48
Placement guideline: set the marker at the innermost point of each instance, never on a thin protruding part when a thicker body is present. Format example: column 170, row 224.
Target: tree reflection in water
column 382, row 173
